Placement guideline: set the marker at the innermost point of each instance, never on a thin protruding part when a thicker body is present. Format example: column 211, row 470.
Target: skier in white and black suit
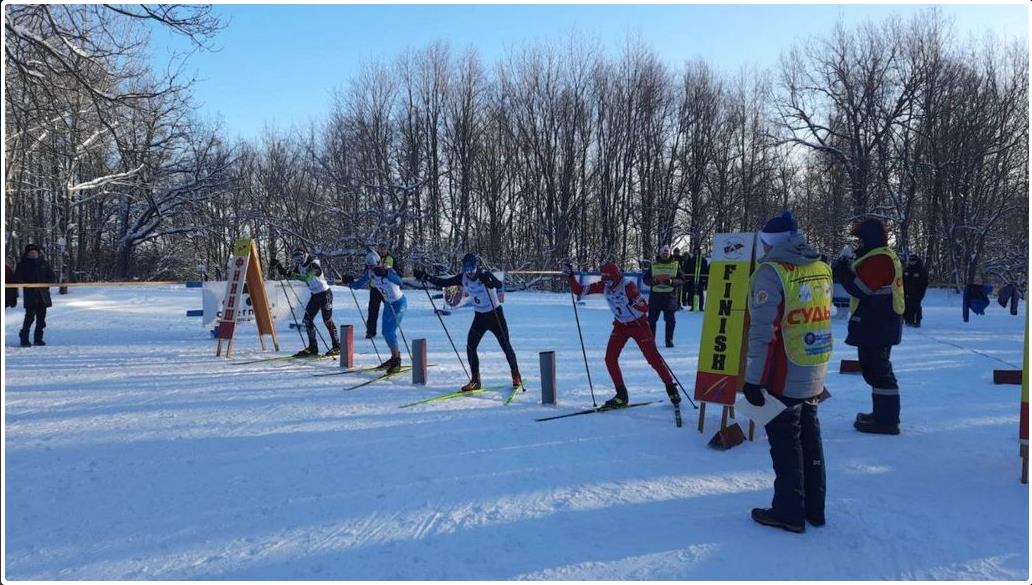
column 308, row 269
column 482, row 287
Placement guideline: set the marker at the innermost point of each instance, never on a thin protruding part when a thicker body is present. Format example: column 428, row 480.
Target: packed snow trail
column 133, row 453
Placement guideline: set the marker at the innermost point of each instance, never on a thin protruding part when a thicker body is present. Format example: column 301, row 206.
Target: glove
column 346, row 279
column 380, row 271
column 847, row 252
column 419, row 274
column 276, row 267
column 567, row 269
column 754, row 394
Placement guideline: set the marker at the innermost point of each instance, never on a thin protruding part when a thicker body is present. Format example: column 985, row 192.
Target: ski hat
column 778, row 229
column 664, row 250
column 871, row 231
column 470, row 262
column 299, row 255
column 372, row 259
column 30, row 248
column 611, row 272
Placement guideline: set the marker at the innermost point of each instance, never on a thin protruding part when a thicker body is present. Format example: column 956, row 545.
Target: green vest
column 896, row 288
column 806, row 316
column 668, row 268
column 388, row 261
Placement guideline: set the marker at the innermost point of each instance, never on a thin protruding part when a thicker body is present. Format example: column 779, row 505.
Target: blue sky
column 278, row 65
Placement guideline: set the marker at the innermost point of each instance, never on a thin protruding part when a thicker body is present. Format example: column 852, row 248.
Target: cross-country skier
column 482, row 287
column 388, row 283
column 308, row 269
column 630, row 311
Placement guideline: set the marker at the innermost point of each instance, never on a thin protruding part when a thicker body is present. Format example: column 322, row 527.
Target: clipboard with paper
column 761, row 415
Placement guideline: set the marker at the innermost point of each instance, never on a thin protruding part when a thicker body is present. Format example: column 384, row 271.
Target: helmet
column 611, row 273
column 299, row 255
column 372, row 259
column 470, row 262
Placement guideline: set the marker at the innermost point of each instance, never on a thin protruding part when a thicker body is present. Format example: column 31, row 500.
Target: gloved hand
column 380, row 271
column 275, row 267
column 419, row 273
column 567, row 269
column 346, row 280
column 846, row 252
column 754, row 394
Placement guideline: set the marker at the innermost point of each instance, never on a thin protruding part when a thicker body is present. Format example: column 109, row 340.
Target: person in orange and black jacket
column 32, row 268
column 873, row 277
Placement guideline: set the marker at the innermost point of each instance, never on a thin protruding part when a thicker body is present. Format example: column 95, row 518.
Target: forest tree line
column 554, row 152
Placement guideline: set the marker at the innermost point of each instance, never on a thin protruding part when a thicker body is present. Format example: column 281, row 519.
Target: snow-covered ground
column 133, row 453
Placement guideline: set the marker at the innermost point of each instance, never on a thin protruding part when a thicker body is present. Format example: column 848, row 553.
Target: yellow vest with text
column 896, row 288
column 668, row 268
column 806, row 318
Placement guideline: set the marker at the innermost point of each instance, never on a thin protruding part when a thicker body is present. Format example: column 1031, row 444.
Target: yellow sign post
column 722, row 348
column 244, row 271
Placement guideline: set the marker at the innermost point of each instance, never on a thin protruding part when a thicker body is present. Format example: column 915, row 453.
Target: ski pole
column 573, row 299
column 292, row 315
column 669, row 369
column 439, row 318
column 361, row 315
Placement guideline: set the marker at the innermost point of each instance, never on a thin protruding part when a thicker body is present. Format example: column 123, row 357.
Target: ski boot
column 618, row 401
column 669, row 343
column 309, row 351
column 333, row 351
column 370, row 335
column 517, row 382
column 675, row 396
column 386, row 364
column 394, row 365
column 766, row 517
column 473, row 384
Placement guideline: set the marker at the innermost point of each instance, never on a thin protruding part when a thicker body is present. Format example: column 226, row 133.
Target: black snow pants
column 797, row 453
column 493, row 321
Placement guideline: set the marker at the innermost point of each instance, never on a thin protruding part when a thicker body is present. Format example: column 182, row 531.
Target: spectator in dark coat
column 10, row 294
column 32, row 268
column 915, row 284
column 873, row 277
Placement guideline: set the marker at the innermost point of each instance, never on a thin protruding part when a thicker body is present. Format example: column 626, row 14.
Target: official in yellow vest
column 874, row 281
column 665, row 279
column 790, row 343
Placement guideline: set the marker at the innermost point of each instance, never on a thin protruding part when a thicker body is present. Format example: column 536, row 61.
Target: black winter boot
column 23, row 335
column 37, row 338
column 766, row 517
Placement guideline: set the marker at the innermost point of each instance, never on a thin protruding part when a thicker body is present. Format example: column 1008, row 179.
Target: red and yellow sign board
column 244, row 271
column 722, row 347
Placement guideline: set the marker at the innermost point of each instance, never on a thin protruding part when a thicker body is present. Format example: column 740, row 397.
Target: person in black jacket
column 915, row 283
column 32, row 268
column 10, row 294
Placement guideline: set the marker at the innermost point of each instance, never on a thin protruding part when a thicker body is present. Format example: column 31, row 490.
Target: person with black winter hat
column 483, row 288
column 789, row 346
column 32, row 268
column 873, row 277
column 915, row 284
